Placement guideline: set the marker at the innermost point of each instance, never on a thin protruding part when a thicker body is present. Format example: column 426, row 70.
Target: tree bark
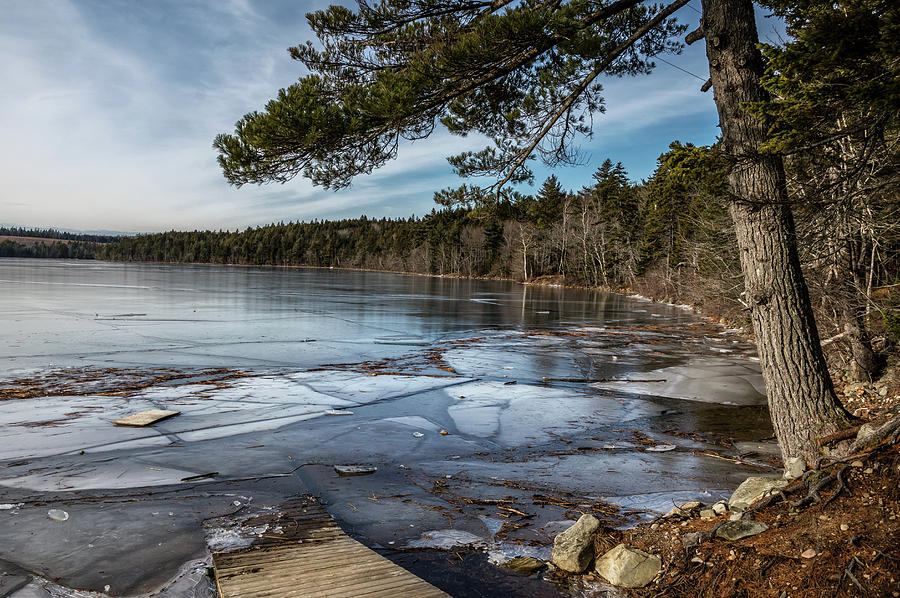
column 801, row 397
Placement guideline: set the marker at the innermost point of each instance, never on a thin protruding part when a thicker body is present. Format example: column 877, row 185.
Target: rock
column 684, row 510
column 844, row 527
column 735, row 530
column 883, row 391
column 707, row 514
column 691, row 539
column 628, row 567
column 857, row 464
column 794, row 468
column 739, row 507
column 865, row 431
column 345, row 470
column 809, row 553
column 861, row 412
column 526, row 565
column 720, row 507
column 573, row 549
column 736, row 516
column 754, row 488
column 417, row 435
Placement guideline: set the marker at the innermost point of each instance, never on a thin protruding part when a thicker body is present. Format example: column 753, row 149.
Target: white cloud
column 109, row 111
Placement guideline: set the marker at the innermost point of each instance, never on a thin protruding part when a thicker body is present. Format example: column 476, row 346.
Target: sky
column 108, row 110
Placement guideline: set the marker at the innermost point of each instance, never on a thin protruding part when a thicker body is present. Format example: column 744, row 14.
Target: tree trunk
column 863, row 365
column 802, row 402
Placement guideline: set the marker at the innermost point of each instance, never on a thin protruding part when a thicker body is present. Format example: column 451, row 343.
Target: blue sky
column 108, row 109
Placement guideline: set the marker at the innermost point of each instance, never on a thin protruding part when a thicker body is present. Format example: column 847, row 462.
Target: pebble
column 844, row 527
column 707, row 514
column 856, row 464
column 809, row 553
column 720, row 508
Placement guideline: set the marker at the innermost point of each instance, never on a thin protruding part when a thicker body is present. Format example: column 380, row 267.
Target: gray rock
column 754, row 488
column 794, row 468
column 865, row 431
column 347, row 470
column 628, row 567
column 707, row 514
column 526, row 565
column 573, row 549
column 720, row 508
column 691, row 539
column 684, row 510
column 739, row 507
column 735, row 530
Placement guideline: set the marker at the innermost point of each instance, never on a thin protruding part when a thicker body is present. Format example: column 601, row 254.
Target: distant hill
column 50, row 243
column 52, row 233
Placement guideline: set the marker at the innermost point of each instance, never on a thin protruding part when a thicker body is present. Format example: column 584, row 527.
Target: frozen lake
column 554, row 401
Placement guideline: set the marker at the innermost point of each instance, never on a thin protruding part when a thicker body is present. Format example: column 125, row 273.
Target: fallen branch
column 838, row 436
column 516, row 511
column 836, row 337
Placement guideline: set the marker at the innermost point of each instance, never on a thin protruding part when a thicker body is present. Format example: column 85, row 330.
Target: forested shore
column 669, row 237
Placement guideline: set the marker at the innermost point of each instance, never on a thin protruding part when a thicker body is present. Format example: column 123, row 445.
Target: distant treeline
column 50, row 233
column 609, row 233
column 55, row 249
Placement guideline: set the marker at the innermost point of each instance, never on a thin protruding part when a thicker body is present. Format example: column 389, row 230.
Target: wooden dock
column 306, row 555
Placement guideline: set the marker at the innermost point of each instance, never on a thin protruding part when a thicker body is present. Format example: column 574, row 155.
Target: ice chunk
column 57, row 515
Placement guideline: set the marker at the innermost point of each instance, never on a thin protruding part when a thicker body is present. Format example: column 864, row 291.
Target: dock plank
column 313, row 558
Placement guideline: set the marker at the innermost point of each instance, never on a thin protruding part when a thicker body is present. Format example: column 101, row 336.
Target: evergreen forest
column 669, row 237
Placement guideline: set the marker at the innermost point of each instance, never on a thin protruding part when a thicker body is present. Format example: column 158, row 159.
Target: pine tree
column 524, row 73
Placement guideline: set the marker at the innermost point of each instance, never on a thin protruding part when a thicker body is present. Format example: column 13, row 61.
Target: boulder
column 526, row 565
column 754, row 488
column 573, row 549
column 684, row 510
column 794, row 468
column 738, row 507
column 628, row 567
column 735, row 530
